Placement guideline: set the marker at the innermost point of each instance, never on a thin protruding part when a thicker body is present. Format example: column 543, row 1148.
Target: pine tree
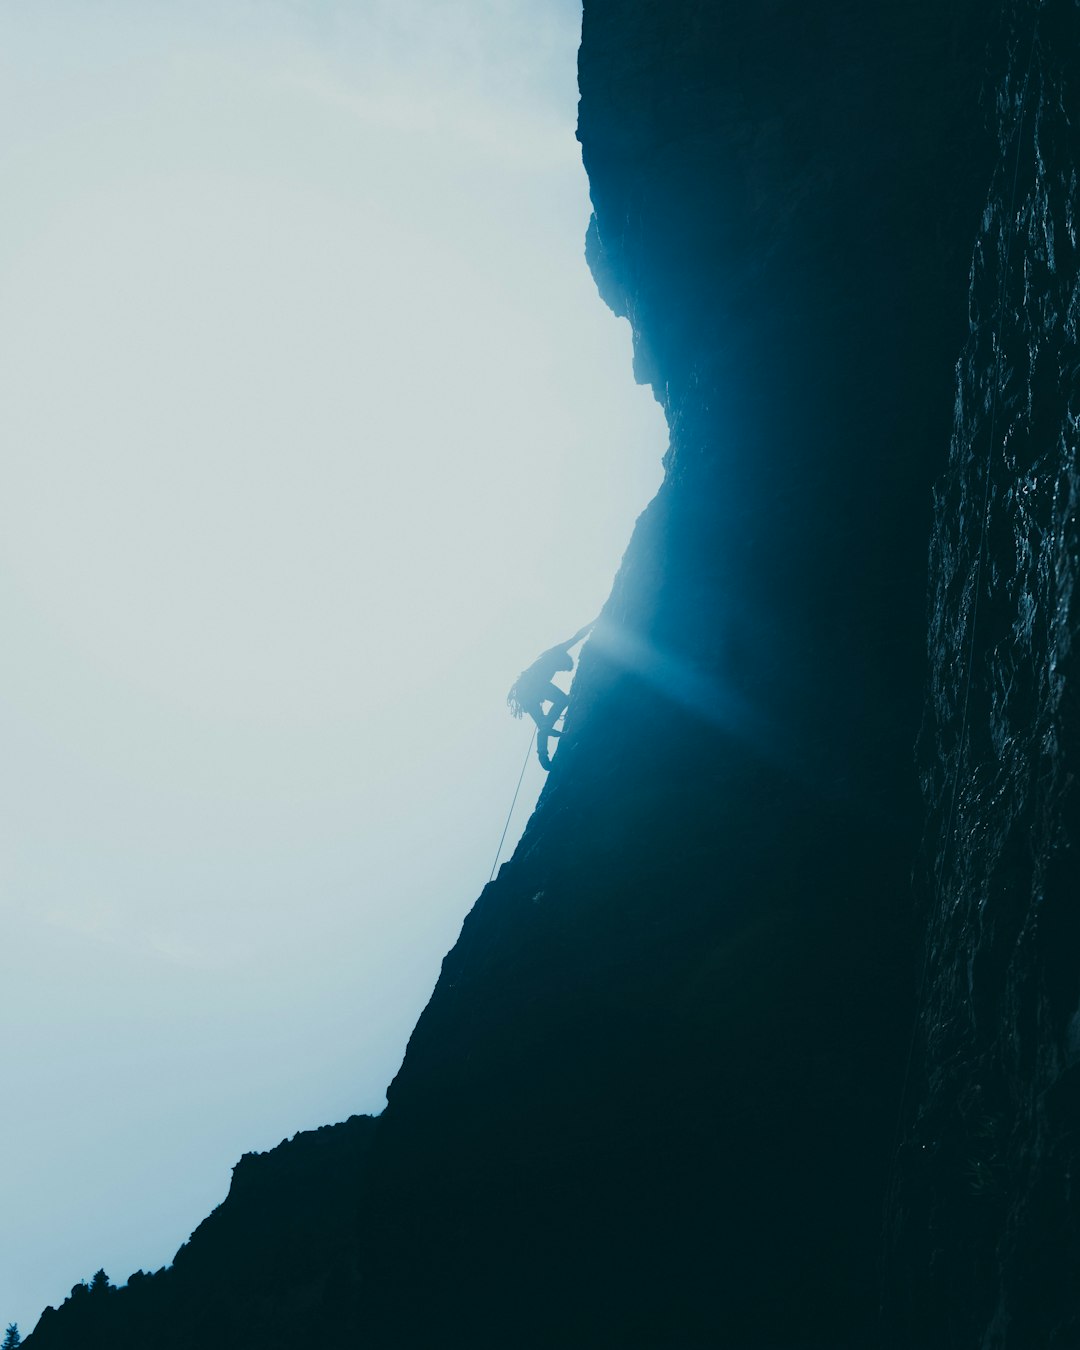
column 12, row 1339
column 98, row 1285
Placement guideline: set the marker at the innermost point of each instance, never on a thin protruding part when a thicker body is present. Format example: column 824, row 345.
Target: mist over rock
column 666, row 1091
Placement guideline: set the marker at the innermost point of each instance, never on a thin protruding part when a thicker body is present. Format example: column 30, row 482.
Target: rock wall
column 984, row 1222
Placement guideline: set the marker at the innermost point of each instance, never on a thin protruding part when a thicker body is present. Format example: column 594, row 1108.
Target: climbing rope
column 521, row 779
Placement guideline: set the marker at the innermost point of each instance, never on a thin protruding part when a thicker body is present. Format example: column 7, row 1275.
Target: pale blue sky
column 313, row 432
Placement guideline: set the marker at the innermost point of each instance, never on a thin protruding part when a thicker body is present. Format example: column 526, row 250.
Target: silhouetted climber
column 536, row 686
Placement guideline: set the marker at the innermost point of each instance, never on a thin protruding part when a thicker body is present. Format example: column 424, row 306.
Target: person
column 536, row 686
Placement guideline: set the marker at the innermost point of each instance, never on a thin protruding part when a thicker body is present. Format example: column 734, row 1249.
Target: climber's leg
column 558, row 705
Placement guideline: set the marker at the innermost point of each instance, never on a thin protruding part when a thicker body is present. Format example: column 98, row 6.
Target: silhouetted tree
column 99, row 1284
column 12, row 1339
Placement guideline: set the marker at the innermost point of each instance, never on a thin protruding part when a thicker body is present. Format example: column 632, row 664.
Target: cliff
column 657, row 1096
column 984, row 1222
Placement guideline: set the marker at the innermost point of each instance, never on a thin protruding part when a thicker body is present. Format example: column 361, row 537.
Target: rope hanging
column 521, row 779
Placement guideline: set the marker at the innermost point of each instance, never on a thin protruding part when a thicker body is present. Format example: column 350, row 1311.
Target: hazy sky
column 313, row 432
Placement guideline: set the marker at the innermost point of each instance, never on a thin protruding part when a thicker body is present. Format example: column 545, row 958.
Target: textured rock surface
column 654, row 1100
column 985, row 1218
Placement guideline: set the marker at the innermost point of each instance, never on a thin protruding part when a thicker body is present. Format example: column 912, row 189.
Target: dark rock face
column 985, row 1219
column 657, row 1093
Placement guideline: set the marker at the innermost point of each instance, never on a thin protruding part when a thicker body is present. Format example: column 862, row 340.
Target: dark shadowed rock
column 984, row 1222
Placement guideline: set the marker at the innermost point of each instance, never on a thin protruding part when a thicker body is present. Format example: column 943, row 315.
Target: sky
column 313, row 433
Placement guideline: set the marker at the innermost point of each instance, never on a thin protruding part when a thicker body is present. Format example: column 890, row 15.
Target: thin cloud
column 109, row 926
column 534, row 143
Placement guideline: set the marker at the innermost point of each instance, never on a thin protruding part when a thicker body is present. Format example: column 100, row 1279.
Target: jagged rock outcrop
column 655, row 1098
column 277, row 1255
